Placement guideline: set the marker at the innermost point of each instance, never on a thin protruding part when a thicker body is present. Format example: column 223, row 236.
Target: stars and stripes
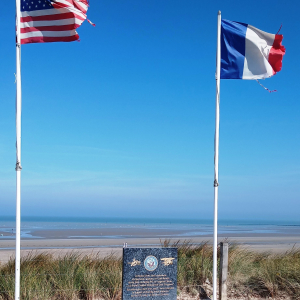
column 45, row 21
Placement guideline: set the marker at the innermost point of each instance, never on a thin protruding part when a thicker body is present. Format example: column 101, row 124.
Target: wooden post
column 223, row 271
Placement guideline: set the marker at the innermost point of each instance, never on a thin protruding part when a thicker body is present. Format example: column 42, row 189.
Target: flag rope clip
column 18, row 166
column 216, row 184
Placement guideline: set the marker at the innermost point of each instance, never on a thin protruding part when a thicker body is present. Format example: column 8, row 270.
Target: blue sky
column 121, row 124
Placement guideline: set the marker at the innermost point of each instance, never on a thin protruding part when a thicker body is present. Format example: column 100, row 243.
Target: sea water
column 181, row 227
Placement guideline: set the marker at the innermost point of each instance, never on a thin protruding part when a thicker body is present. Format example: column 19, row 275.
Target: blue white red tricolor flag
column 248, row 52
column 45, row 21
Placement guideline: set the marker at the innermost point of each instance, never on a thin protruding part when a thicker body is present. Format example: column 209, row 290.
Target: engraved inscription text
column 150, row 286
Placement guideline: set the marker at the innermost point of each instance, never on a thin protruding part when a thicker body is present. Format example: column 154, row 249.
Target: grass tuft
column 75, row 276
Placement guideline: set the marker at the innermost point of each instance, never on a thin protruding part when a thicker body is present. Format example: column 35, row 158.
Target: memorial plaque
column 149, row 273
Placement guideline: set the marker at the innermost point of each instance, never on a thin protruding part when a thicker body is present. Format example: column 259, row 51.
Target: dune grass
column 75, row 276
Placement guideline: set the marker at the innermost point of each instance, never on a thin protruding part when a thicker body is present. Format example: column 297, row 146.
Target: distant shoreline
column 141, row 233
column 105, row 238
column 132, row 229
column 149, row 220
column 87, row 246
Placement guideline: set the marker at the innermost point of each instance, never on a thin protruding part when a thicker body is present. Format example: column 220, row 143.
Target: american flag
column 44, row 21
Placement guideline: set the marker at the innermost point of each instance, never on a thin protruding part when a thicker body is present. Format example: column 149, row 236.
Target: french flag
column 248, row 52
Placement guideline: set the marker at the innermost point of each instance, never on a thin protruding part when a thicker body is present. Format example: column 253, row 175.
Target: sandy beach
column 106, row 241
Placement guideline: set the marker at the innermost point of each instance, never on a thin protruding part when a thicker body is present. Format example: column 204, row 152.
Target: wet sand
column 60, row 242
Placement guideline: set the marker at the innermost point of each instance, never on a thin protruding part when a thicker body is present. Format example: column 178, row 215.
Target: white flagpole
column 18, row 152
column 216, row 181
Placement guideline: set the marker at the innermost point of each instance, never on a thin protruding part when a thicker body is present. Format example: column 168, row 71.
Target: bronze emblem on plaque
column 134, row 263
column 167, row 261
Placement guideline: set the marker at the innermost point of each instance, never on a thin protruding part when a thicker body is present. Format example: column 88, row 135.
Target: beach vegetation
column 75, row 276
